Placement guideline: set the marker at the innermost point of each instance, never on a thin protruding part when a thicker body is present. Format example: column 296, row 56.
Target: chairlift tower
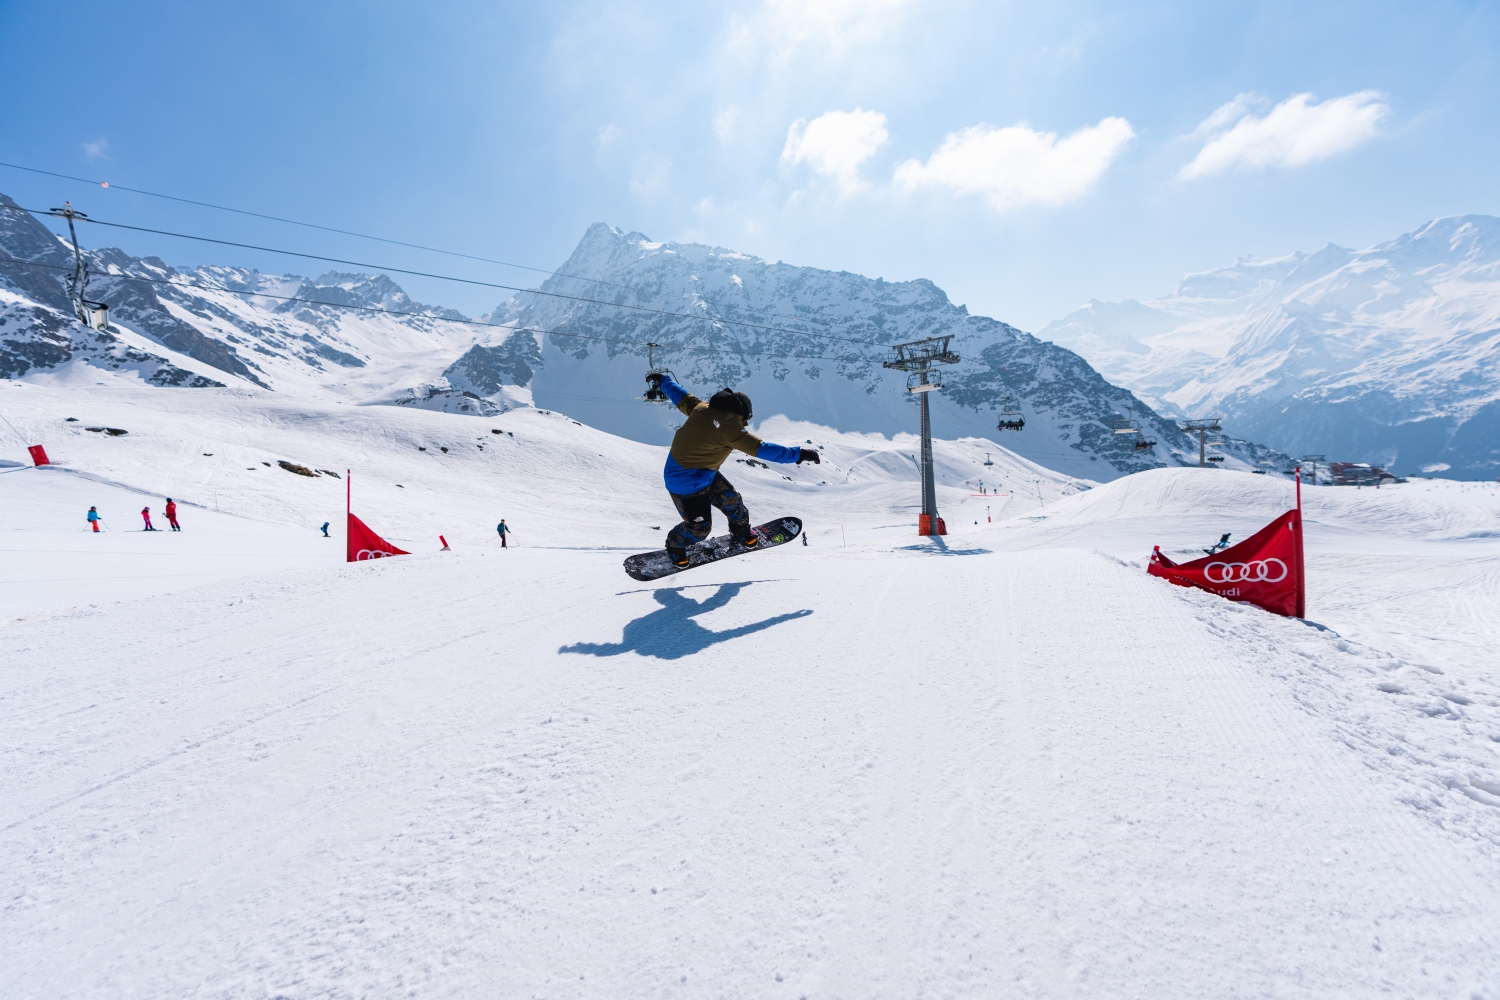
column 918, row 359
column 1202, row 427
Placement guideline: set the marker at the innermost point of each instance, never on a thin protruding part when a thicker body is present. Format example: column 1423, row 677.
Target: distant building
column 1360, row 474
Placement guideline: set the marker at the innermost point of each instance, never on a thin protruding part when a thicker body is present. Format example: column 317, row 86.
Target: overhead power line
column 464, row 281
column 306, row 225
column 328, row 229
column 422, row 315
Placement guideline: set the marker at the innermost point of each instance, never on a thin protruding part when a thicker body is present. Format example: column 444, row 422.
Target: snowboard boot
column 748, row 540
column 679, row 557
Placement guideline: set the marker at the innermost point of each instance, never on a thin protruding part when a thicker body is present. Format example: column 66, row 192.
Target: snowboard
column 655, row 565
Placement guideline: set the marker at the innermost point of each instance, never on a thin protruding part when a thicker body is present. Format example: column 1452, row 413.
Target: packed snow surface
column 1002, row 763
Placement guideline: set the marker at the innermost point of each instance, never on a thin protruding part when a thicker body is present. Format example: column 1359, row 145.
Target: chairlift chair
column 94, row 315
column 1011, row 418
column 1128, row 424
column 987, row 459
column 654, row 393
column 925, row 380
column 1143, row 444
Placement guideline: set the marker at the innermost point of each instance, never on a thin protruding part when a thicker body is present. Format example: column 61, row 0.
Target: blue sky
column 1026, row 157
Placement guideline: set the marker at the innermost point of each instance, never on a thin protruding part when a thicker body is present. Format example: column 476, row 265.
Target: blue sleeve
column 674, row 391
column 778, row 453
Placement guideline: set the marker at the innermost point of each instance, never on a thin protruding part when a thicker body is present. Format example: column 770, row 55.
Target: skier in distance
column 699, row 447
column 94, row 519
column 325, row 529
column 172, row 514
column 504, row 530
column 146, row 516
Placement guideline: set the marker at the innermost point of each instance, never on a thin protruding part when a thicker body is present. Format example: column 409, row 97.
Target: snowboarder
column 503, row 530
column 94, row 519
column 325, row 529
column 1222, row 543
column 146, row 516
column 699, row 447
column 172, row 514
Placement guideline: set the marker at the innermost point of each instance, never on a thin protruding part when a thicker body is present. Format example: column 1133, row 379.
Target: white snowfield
column 1003, row 763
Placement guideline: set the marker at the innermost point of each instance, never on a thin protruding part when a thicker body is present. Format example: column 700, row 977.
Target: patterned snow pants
column 697, row 513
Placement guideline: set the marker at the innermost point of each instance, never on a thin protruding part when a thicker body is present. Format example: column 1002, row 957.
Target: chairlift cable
column 438, row 319
column 306, row 225
column 464, row 281
column 327, row 229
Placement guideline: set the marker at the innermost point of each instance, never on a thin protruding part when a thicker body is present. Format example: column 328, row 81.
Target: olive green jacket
column 709, row 435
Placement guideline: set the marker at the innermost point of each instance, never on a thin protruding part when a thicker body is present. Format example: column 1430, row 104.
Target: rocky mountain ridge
column 805, row 343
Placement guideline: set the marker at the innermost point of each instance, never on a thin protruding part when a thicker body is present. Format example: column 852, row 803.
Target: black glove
column 808, row 455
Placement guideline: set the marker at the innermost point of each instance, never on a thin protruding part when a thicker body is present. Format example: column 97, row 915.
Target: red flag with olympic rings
column 360, row 543
column 1265, row 569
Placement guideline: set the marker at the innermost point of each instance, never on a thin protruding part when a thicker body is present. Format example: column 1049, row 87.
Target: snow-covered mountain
column 1388, row 355
column 817, row 354
column 812, row 349
column 215, row 326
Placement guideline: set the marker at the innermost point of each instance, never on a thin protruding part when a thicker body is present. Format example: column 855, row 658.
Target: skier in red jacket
column 172, row 514
column 146, row 516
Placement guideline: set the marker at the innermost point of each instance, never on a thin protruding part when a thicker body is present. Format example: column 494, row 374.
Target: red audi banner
column 360, row 543
column 1265, row 569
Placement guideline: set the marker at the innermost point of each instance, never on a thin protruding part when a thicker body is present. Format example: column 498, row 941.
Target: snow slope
column 1004, row 763
column 220, row 449
column 1388, row 355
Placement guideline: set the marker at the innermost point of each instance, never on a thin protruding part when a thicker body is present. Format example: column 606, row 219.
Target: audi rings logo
column 1259, row 571
column 370, row 554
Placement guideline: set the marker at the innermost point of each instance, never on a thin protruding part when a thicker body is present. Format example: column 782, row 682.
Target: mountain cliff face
column 1389, row 355
column 816, row 354
column 215, row 325
column 812, row 349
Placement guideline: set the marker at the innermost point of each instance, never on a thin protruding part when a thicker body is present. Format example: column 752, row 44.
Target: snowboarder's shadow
column 669, row 632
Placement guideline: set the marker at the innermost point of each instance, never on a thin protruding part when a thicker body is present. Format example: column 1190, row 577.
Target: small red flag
column 39, row 455
column 362, row 543
column 1265, row 569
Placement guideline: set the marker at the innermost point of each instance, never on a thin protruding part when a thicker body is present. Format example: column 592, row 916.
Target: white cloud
column 832, row 25
column 1017, row 165
column 609, row 135
column 652, row 178
column 724, row 122
column 835, row 144
column 1295, row 132
column 98, row 149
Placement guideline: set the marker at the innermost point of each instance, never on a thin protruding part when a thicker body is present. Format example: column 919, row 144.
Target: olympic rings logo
column 370, row 554
column 1259, row 571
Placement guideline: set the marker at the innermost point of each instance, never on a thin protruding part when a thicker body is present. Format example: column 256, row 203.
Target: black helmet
column 729, row 401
